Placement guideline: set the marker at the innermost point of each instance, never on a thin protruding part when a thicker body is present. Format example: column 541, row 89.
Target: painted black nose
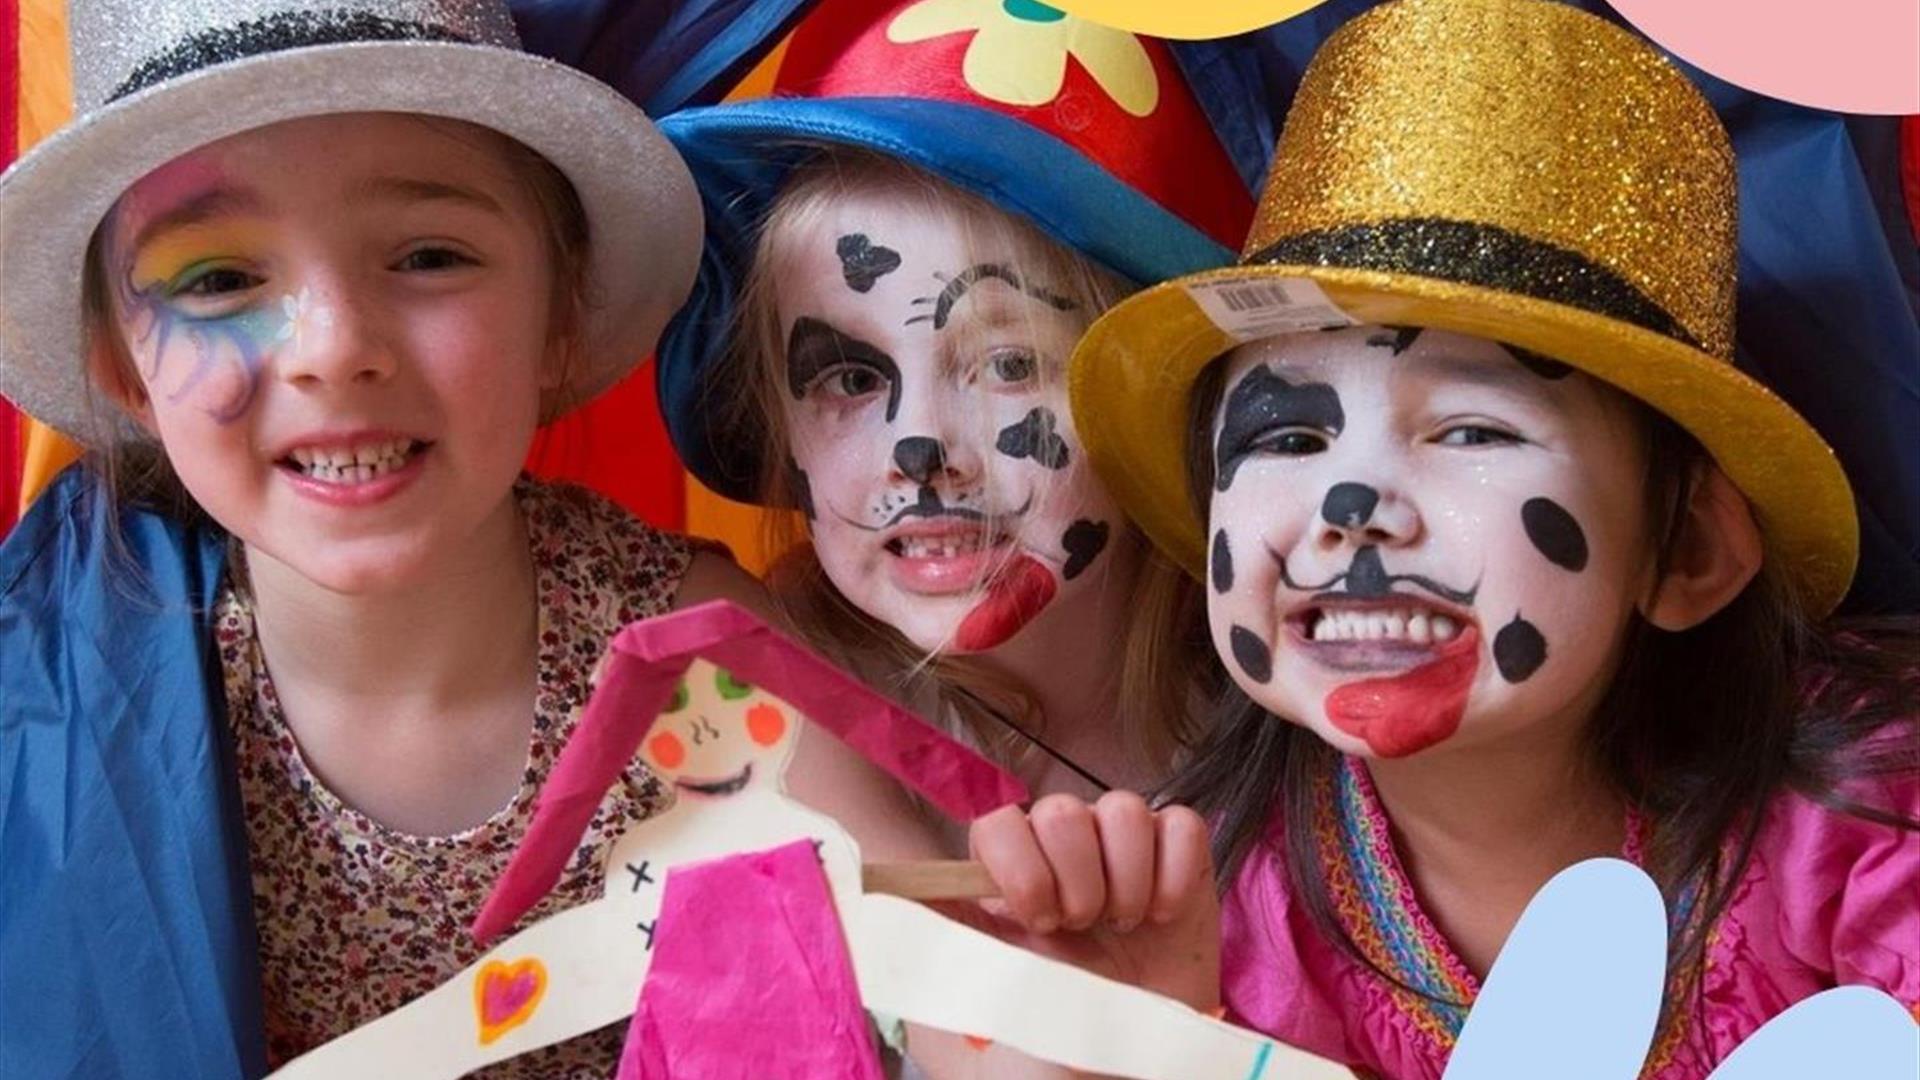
column 919, row 458
column 1349, row 506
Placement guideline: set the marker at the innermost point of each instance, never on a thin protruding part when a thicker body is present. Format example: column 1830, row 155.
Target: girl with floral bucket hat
column 282, row 678
column 1508, row 565
column 904, row 242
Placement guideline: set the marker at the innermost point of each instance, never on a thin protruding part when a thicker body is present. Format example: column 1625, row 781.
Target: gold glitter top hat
column 153, row 81
column 1517, row 170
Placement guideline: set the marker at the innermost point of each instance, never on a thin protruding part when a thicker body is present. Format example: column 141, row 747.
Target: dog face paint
column 928, row 413
column 1432, row 544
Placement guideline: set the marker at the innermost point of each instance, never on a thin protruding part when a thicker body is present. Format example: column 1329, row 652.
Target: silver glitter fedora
column 154, row 80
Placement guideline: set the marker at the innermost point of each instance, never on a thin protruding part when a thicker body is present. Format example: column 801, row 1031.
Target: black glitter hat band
column 1473, row 254
column 277, row 33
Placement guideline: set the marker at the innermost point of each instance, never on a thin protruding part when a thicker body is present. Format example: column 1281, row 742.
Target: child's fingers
column 1005, row 843
column 1065, row 828
column 1127, row 841
column 1184, row 867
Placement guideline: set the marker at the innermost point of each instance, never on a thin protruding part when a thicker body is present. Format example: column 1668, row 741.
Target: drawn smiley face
column 718, row 736
column 1419, row 537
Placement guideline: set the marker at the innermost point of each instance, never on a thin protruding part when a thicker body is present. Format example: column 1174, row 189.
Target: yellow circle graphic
column 1191, row 20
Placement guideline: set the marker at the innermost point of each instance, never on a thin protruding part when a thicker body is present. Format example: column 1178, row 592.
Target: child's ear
column 112, row 373
column 1716, row 552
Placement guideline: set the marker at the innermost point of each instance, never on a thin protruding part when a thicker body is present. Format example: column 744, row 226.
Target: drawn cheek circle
column 766, row 724
column 667, row 750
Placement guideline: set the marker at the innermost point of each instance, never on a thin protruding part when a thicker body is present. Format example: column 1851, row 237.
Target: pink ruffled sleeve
column 1849, row 889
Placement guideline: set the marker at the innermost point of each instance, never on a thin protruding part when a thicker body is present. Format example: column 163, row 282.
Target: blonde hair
column 1165, row 640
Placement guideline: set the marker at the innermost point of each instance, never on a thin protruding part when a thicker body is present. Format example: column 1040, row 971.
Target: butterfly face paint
column 1419, row 537
column 338, row 329
column 926, row 404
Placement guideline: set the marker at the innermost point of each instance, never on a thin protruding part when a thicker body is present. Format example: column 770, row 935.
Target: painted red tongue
column 1409, row 712
column 1016, row 595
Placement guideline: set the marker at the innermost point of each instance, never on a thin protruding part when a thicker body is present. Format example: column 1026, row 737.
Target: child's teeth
column 1417, row 627
column 353, row 465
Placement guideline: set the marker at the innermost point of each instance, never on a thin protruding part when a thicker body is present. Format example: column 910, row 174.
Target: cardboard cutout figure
column 723, row 738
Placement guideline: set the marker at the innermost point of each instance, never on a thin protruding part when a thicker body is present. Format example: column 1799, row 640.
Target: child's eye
column 1477, row 435
column 1292, row 442
column 428, row 259
column 850, row 381
column 218, row 281
column 1013, row 365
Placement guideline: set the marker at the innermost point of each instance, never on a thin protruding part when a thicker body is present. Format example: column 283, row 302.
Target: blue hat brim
column 741, row 154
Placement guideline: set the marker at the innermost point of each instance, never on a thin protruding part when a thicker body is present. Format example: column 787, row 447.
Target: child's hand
column 1134, row 887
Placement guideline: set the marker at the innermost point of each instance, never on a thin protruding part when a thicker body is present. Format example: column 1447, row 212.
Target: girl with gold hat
column 1507, row 563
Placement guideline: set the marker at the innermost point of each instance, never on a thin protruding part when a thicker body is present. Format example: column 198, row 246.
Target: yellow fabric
column 46, row 101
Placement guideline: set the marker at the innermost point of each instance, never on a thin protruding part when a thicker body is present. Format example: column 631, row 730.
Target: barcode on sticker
column 1254, row 296
column 1250, row 308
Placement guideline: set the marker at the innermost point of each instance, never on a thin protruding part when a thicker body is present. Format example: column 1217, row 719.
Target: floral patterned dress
column 355, row 918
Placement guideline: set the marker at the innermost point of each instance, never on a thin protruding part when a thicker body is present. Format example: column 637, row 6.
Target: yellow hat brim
column 1132, row 373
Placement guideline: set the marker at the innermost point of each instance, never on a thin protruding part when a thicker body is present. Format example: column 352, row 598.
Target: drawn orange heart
column 977, row 1042
column 505, row 995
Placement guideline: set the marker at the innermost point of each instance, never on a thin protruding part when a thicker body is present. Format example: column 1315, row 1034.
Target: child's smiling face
column 340, row 331
column 1420, row 538
column 923, row 384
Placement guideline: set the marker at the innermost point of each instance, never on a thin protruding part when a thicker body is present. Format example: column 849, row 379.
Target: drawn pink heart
column 506, row 994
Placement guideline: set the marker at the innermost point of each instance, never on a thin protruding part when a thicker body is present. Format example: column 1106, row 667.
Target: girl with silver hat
column 306, row 280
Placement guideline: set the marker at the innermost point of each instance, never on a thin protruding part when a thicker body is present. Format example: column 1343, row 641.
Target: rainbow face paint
column 931, row 445
column 199, row 329
column 1417, row 537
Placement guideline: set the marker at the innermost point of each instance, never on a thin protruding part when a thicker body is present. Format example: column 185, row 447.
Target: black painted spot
column 862, row 263
column 1403, row 338
column 1261, row 402
column 1519, row 650
column 1222, row 563
column 1555, row 533
column 972, row 275
column 1035, row 436
column 1349, row 505
column 919, row 458
column 802, row 488
column 1539, row 365
column 1251, row 653
column 814, row 346
column 1367, row 576
column 1084, row 541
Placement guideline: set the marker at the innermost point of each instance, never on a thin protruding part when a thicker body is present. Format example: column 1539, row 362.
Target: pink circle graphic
column 1858, row 56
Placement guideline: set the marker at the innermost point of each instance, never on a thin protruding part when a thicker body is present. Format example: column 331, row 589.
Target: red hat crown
column 1117, row 98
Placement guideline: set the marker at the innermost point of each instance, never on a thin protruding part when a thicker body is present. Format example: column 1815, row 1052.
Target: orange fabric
column 46, row 101
column 741, row 527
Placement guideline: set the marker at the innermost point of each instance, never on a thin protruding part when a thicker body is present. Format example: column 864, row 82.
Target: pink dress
column 1827, row 900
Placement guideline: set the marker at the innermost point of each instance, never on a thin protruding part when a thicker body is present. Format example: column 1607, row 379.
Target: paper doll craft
column 709, row 697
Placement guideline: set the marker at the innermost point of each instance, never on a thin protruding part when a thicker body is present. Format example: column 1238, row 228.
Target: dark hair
column 1698, row 728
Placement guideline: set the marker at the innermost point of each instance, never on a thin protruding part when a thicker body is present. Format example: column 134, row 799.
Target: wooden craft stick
column 929, row 879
